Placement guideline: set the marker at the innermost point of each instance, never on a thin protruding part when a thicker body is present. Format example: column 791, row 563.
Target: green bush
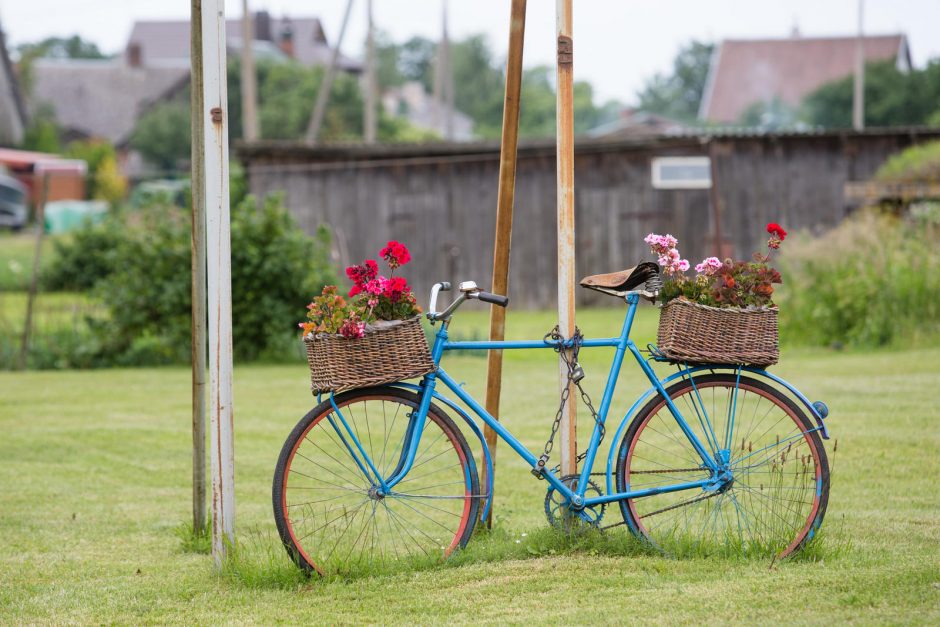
column 276, row 269
column 919, row 163
column 872, row 281
column 139, row 267
column 84, row 257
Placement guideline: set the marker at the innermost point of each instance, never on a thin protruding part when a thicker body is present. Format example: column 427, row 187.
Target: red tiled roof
column 747, row 71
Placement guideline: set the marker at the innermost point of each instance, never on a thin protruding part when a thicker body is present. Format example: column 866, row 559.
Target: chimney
column 263, row 26
column 286, row 39
column 134, row 55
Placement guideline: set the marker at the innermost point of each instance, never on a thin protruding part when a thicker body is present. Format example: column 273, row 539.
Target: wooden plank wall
column 443, row 208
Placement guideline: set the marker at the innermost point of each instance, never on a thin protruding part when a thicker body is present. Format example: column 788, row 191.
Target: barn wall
column 443, row 205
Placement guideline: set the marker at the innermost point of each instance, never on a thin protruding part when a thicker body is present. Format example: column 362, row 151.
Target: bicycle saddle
column 619, row 283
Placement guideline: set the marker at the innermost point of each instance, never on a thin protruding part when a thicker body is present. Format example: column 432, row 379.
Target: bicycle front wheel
column 774, row 486
column 329, row 511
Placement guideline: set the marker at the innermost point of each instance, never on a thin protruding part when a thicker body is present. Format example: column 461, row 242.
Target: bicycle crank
column 560, row 515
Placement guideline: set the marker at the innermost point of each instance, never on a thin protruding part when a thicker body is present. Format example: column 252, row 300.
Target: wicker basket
column 690, row 332
column 387, row 353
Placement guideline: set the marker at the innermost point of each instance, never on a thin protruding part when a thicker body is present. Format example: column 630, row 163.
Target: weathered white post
column 566, row 277
column 219, row 262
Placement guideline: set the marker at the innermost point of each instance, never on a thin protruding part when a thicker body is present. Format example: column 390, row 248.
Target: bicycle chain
column 575, row 375
column 666, row 509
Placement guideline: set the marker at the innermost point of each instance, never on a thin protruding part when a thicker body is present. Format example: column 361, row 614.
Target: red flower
column 776, row 231
column 395, row 288
column 395, row 254
column 361, row 275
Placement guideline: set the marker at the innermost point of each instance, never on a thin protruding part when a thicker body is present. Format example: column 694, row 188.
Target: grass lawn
column 16, row 258
column 94, row 485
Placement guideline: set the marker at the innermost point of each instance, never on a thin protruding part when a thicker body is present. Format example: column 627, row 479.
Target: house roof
column 634, row 123
column 164, row 43
column 101, row 98
column 12, row 109
column 743, row 72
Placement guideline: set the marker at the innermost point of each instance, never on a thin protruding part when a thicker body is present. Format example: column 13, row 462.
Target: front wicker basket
column 383, row 355
column 690, row 332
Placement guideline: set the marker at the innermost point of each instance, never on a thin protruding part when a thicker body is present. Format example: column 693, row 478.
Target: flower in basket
column 372, row 298
column 718, row 283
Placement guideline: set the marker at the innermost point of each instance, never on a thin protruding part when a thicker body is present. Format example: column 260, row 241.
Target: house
column 12, row 110
column 166, row 43
column 632, row 122
column 425, row 112
column 745, row 72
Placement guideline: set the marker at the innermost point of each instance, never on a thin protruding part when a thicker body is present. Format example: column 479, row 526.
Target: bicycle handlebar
column 468, row 289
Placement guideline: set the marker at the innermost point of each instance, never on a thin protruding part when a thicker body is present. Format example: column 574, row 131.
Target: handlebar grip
column 493, row 299
column 445, row 286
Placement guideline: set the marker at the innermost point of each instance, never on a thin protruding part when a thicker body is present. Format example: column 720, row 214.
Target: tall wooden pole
column 447, row 77
column 249, row 80
column 505, row 198
column 323, row 95
column 370, row 115
column 37, row 257
column 198, row 272
column 858, row 97
column 219, row 274
column 566, row 241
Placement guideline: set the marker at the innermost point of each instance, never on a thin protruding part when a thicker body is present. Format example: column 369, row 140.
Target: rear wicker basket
column 385, row 354
column 690, row 332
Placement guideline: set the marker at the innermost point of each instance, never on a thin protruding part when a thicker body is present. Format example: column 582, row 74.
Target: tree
column 162, row 135
column 892, row 98
column 104, row 180
column 678, row 95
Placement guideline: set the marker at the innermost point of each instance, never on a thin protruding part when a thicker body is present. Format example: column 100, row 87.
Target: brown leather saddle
column 619, row 283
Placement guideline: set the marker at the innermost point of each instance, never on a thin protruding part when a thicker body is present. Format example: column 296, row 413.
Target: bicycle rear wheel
column 328, row 511
column 778, row 490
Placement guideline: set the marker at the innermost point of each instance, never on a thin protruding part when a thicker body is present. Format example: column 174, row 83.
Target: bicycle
column 716, row 456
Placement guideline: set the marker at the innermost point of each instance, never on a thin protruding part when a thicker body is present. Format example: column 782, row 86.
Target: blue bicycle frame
column 426, row 391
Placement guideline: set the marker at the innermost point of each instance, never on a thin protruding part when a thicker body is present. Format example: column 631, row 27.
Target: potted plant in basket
column 371, row 337
column 725, row 313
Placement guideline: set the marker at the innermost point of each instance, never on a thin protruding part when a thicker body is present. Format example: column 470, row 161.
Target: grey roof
column 167, row 42
column 101, row 98
column 12, row 110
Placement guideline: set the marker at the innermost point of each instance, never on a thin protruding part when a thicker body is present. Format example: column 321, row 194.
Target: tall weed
column 872, row 281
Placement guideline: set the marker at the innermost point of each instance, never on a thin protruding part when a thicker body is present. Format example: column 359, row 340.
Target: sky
column 618, row 44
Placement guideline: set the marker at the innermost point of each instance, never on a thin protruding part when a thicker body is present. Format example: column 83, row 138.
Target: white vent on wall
column 682, row 173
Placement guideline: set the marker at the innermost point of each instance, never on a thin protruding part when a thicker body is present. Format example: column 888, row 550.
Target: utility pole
column 198, row 191
column 370, row 116
column 219, row 275
column 447, row 78
column 323, row 95
column 858, row 99
column 249, row 79
column 42, row 174
column 565, row 191
column 505, row 199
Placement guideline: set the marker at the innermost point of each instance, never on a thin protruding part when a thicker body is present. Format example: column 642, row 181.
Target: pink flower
column 683, row 265
column 709, row 266
column 660, row 244
column 376, row 286
column 352, row 329
column 361, row 275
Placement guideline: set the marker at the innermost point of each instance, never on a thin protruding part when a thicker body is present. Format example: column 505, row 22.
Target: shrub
column 919, row 163
column 84, row 257
column 873, row 280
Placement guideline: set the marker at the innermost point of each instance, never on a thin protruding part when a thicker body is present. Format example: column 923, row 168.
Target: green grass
column 94, row 499
column 16, row 259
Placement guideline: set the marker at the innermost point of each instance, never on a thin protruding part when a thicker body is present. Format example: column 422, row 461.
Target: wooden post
column 858, row 93
column 198, row 190
column 249, row 87
column 566, row 268
column 370, row 114
column 323, row 95
column 219, row 274
column 505, row 199
column 37, row 257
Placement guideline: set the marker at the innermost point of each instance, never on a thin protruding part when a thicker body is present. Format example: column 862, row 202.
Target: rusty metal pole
column 219, row 274
column 505, row 198
column 249, row 86
column 198, row 190
column 566, row 241
column 37, row 257
column 323, row 94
